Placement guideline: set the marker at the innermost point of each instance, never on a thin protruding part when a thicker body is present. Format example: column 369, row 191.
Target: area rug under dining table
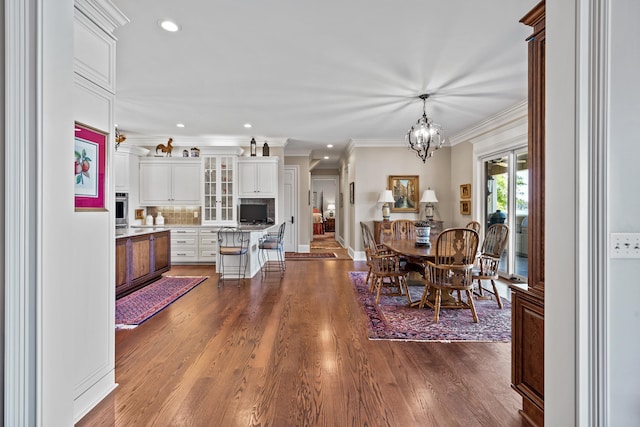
column 393, row 319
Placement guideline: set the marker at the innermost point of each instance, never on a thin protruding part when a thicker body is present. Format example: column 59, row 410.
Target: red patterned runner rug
column 139, row 306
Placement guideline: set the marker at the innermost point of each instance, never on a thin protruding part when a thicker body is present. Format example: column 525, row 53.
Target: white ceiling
column 311, row 73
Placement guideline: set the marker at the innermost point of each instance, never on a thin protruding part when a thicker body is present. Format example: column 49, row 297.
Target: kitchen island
column 142, row 255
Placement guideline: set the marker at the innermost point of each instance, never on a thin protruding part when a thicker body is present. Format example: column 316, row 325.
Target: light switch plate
column 624, row 245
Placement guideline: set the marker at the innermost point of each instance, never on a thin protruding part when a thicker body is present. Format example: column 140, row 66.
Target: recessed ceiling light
column 329, row 145
column 247, row 125
column 169, row 26
column 326, row 157
column 180, row 125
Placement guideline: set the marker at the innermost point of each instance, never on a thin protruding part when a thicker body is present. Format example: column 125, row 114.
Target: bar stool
column 272, row 242
column 232, row 242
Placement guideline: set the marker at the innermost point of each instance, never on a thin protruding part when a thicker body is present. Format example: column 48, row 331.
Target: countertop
column 147, row 229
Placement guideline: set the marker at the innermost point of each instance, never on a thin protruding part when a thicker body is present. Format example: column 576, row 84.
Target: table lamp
column 429, row 198
column 386, row 197
column 331, row 207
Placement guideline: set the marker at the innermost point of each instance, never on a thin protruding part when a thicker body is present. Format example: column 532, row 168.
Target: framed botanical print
column 406, row 193
column 90, row 168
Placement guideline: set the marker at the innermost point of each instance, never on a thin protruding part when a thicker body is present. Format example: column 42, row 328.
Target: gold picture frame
column 406, row 193
column 465, row 207
column 465, row 191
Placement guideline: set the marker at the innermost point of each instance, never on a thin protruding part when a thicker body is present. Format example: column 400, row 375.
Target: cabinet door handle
column 291, row 220
column 181, row 241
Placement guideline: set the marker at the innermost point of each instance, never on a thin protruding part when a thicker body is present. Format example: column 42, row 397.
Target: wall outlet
column 195, row 214
column 624, row 245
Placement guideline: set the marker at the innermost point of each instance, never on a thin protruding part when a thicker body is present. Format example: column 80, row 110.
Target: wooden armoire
column 527, row 366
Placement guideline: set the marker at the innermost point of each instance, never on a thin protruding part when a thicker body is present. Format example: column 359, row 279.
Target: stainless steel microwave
column 122, row 209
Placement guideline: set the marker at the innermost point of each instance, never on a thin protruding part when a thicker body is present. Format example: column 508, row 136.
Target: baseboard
column 94, row 395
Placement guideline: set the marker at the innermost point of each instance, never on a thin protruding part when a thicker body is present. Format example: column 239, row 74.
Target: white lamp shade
column 386, row 197
column 428, row 196
column 331, row 206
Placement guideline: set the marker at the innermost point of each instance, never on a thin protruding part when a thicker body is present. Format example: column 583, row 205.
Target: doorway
column 506, row 201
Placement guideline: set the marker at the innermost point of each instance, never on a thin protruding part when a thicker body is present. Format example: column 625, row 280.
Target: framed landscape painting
column 405, row 193
column 90, row 168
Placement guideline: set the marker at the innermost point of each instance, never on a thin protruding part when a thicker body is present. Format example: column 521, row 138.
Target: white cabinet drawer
column 208, row 240
column 208, row 231
column 184, row 255
column 184, row 231
column 208, row 254
column 184, row 240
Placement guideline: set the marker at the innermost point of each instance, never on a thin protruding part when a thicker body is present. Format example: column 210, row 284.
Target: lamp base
column 386, row 212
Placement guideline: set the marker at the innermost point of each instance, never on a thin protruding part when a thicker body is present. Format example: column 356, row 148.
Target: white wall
column 462, row 173
column 374, row 165
column 624, row 211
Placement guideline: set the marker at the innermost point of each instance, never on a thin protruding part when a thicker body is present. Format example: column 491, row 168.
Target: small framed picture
column 465, row 191
column 90, row 168
column 465, row 207
column 352, row 190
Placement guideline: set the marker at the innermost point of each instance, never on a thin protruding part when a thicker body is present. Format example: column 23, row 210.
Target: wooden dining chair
column 370, row 248
column 474, row 225
column 488, row 261
column 387, row 272
column 403, row 229
column 451, row 271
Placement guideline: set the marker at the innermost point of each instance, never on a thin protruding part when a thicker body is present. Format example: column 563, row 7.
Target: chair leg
column 403, row 280
column 436, row 308
column 423, row 300
column 379, row 286
column 220, row 270
column 472, row 305
column 495, row 291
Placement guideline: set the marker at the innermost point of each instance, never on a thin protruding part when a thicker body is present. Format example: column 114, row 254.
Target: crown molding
column 513, row 115
column 200, row 141
column 132, row 149
column 103, row 12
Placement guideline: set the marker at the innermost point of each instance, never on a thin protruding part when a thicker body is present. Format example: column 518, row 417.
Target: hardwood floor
column 294, row 352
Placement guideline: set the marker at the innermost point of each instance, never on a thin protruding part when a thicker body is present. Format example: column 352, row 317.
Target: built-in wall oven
column 122, row 210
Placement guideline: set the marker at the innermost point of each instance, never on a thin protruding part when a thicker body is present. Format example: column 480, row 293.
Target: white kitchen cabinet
column 219, row 198
column 167, row 182
column 184, row 245
column 258, row 177
column 208, row 245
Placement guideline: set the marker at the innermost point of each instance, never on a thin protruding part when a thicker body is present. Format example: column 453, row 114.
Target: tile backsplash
column 176, row 215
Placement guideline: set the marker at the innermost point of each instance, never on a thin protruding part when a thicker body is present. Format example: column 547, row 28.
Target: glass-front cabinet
column 219, row 190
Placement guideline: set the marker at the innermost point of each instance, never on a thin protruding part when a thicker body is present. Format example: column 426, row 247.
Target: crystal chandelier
column 425, row 136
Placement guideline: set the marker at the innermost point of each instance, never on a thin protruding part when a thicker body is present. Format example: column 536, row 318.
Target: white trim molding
column 592, row 233
column 21, row 382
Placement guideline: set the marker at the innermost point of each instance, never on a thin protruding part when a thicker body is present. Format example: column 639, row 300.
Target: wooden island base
column 141, row 259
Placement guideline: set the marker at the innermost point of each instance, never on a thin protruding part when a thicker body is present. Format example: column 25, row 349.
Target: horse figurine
column 165, row 148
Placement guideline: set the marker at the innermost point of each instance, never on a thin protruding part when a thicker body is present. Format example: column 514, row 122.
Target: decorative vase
column 265, row 150
column 423, row 231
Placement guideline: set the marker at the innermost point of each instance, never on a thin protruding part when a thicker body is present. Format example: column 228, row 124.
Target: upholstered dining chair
column 232, row 242
column 272, row 243
column 451, row 272
column 488, row 261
